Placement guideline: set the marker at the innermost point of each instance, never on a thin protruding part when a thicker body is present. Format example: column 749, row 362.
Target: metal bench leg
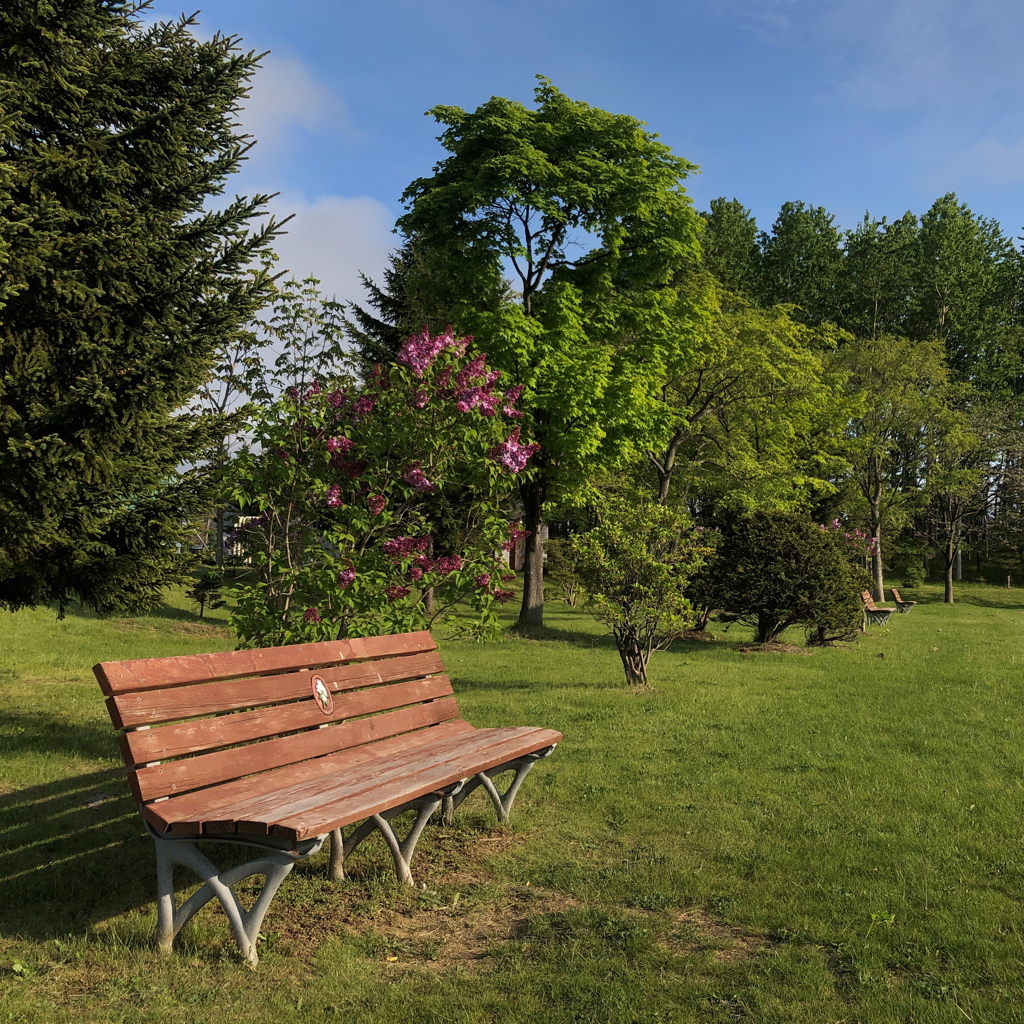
column 401, row 850
column 502, row 801
column 245, row 924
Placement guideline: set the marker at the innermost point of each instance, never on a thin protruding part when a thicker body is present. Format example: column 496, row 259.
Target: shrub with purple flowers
column 339, row 532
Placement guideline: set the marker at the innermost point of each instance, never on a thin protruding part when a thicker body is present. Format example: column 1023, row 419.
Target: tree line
column 661, row 357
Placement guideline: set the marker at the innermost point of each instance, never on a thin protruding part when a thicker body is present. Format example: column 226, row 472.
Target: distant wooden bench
column 901, row 606
column 875, row 615
column 281, row 747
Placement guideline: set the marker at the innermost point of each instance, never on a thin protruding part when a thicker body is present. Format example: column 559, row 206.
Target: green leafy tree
column 588, row 210
column 634, row 567
column 881, row 286
column 801, row 262
column 731, row 252
column 906, row 387
column 121, row 283
column 758, row 417
column 776, row 570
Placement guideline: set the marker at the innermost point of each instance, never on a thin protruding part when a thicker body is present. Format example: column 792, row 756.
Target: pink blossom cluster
column 363, row 406
column 312, row 615
column 340, row 444
column 417, row 479
column 398, row 547
column 515, row 535
column 396, row 592
column 512, row 396
column 501, row 596
column 345, row 577
column 376, row 503
column 856, row 537
column 337, row 398
column 510, row 454
column 334, row 497
column 483, row 579
column 419, row 351
column 448, row 563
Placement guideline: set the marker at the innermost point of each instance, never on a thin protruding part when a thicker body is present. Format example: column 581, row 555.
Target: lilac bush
column 339, row 486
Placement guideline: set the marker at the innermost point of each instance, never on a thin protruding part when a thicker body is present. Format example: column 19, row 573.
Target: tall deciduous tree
column 801, row 262
column 905, row 384
column 759, row 415
column 588, row 210
column 122, row 284
column 731, row 252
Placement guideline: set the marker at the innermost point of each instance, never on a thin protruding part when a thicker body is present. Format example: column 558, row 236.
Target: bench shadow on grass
column 73, row 851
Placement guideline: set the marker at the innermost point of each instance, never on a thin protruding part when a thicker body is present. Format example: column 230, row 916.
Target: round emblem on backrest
column 322, row 695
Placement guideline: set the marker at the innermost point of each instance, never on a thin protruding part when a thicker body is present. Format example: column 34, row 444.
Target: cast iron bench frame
column 279, row 748
column 901, row 606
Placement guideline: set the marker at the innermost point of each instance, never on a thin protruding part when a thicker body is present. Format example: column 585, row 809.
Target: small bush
column 775, row 570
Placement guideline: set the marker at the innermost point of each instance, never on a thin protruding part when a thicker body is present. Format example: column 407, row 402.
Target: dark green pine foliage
column 377, row 338
column 121, row 283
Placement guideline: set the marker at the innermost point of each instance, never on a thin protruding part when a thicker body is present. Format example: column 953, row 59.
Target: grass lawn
column 763, row 837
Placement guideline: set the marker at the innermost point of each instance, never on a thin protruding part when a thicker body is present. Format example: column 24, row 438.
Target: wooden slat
column 352, row 800
column 189, row 812
column 157, row 673
column 168, row 741
column 209, row 769
column 154, row 706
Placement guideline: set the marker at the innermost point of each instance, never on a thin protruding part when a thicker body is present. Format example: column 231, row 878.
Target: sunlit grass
column 769, row 837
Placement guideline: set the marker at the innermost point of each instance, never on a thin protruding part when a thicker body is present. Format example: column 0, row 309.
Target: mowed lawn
column 815, row 838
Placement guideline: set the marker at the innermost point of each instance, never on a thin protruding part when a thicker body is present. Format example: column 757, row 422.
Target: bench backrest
column 198, row 720
column 896, row 597
column 869, row 601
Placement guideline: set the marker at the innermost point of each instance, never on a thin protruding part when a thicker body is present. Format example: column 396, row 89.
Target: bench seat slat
column 155, row 781
column 339, row 790
column 191, row 812
column 431, row 772
column 157, row 673
column 142, row 746
column 149, row 708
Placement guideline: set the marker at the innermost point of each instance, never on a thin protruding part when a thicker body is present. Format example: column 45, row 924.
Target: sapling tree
column 633, row 568
column 339, row 484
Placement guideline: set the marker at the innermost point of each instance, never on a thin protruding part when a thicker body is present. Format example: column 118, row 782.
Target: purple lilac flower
column 510, row 454
column 340, row 444
column 396, row 592
column 376, row 503
column 419, row 351
column 415, row 573
column 501, row 596
column 447, row 564
column 512, row 396
column 334, row 496
column 312, row 615
column 416, row 478
column 345, row 577
column 483, row 579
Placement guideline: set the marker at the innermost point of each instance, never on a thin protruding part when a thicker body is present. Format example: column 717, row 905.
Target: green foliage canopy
column 121, row 283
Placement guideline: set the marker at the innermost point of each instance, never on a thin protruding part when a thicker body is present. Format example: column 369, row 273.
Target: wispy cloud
column 334, row 238
column 284, row 98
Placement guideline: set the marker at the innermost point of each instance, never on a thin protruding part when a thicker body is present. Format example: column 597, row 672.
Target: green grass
column 761, row 837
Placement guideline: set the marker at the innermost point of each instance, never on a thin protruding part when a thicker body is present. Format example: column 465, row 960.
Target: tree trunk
column 875, row 529
column 531, row 613
column 769, row 629
column 634, row 659
column 949, row 566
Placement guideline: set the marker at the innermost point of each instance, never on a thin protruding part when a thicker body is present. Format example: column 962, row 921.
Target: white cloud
column 284, row 96
column 333, row 238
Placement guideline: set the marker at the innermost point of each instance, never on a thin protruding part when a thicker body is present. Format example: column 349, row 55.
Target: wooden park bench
column 901, row 606
column 875, row 615
column 277, row 749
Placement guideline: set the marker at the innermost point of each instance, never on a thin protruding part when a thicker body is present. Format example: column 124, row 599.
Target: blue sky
column 855, row 105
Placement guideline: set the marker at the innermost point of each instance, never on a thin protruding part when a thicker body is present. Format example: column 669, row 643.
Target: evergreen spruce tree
column 120, row 284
